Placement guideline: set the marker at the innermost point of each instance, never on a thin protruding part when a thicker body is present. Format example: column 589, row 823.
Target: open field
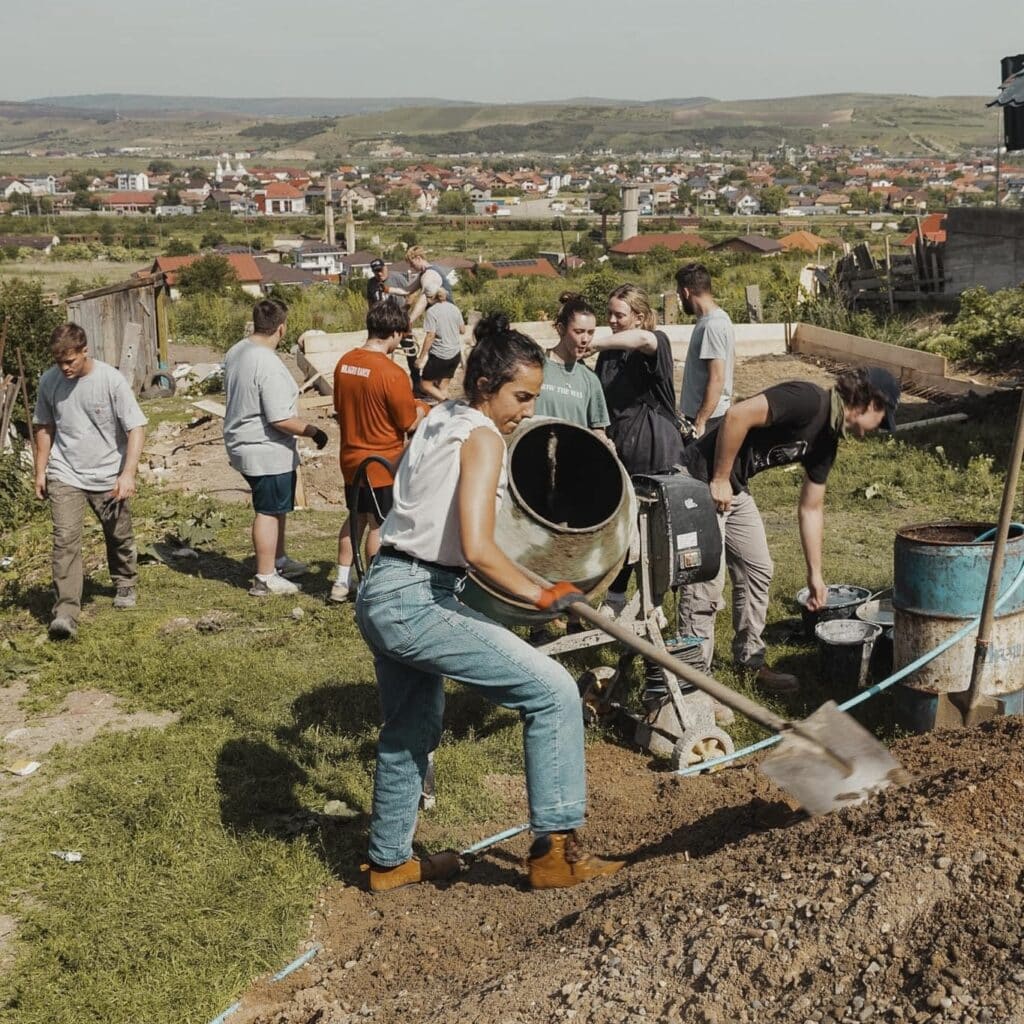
column 209, row 857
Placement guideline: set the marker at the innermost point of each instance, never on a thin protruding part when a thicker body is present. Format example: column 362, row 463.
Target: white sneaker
column 276, row 585
column 613, row 604
column 286, row 566
column 339, row 592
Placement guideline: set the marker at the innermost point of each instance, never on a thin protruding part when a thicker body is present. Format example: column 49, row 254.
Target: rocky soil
column 732, row 909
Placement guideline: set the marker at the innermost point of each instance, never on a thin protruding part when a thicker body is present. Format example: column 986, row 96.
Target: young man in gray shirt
column 88, row 439
column 711, row 355
column 261, row 424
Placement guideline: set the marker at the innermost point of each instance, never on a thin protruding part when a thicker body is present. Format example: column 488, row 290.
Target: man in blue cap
column 794, row 422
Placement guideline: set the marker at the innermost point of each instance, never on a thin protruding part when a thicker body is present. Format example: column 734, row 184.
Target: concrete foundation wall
column 984, row 247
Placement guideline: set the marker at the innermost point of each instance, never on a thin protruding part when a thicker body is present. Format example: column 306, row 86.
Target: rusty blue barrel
column 940, row 575
column 569, row 514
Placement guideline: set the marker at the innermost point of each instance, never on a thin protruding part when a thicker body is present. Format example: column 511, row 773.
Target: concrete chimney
column 329, row 213
column 630, row 211
column 350, row 232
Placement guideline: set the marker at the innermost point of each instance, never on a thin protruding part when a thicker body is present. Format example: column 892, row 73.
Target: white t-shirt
column 424, row 519
column 92, row 415
column 259, row 392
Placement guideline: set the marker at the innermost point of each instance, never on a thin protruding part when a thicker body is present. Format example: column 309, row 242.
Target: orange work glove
column 559, row 596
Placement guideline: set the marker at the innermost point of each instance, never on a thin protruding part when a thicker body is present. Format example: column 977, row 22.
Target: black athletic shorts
column 440, row 369
column 375, row 500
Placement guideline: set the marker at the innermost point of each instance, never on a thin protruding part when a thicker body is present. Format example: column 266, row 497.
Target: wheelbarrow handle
column 719, row 691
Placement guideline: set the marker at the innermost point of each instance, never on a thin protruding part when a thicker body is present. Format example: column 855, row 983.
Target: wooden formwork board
column 921, row 370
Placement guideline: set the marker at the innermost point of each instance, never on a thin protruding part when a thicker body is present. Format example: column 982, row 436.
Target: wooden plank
column 316, row 401
column 131, row 344
column 310, row 381
column 28, row 408
column 210, row 406
column 812, row 340
column 955, row 387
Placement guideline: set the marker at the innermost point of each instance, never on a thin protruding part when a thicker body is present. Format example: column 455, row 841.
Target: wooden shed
column 126, row 324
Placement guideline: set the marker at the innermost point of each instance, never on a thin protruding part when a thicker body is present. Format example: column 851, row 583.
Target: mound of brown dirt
column 732, row 910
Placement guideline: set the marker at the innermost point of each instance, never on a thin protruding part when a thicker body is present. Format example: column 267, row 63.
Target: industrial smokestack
column 350, row 232
column 630, row 211
column 329, row 212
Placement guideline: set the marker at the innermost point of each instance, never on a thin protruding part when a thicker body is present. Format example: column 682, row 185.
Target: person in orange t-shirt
column 376, row 411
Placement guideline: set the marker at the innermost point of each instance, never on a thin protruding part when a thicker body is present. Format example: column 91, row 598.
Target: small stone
column 770, row 939
column 944, row 863
column 297, row 614
column 979, row 857
column 697, row 967
column 866, row 879
column 934, row 1000
column 339, row 809
column 349, row 964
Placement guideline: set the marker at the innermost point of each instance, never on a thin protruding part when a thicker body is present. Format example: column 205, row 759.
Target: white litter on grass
column 23, row 767
column 6, row 562
column 71, row 856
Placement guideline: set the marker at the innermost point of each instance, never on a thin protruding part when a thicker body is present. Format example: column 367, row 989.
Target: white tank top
column 424, row 519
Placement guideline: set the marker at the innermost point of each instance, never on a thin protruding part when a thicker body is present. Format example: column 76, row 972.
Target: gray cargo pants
column 746, row 556
column 67, row 507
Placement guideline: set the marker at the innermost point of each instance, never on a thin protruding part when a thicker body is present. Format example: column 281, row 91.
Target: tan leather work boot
column 563, row 863
column 431, row 869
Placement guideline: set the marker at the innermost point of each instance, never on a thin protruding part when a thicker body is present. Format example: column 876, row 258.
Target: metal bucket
column 845, row 647
column 941, row 570
column 842, row 602
column 568, row 514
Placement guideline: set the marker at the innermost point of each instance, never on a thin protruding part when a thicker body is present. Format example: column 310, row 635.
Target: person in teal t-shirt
column 571, row 390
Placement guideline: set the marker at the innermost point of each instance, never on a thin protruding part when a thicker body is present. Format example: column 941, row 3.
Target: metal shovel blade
column 830, row 761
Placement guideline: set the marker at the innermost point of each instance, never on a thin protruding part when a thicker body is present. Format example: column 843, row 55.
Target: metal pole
column 995, row 570
column 999, row 150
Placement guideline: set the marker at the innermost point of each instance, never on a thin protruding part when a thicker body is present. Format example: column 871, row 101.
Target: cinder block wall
column 984, row 247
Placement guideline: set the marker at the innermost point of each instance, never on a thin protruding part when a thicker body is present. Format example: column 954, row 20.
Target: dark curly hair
column 497, row 355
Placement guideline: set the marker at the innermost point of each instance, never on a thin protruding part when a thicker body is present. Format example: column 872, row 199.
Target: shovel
column 825, row 762
column 969, row 707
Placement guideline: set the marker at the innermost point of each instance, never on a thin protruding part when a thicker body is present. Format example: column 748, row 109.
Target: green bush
column 208, row 319
column 991, row 325
column 17, row 497
column 30, row 321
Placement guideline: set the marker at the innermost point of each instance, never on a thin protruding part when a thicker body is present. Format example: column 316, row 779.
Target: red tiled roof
column 128, row 198
column 282, row 190
column 933, row 227
column 805, row 241
column 522, row 268
column 672, row 240
column 245, row 267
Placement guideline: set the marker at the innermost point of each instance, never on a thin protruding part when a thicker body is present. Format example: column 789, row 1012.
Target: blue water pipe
column 867, row 694
column 299, row 961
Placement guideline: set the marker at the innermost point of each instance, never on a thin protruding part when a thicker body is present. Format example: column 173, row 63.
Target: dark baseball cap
column 377, row 265
column 887, row 387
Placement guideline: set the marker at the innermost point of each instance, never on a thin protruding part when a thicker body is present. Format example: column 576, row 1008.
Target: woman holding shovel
column 447, row 490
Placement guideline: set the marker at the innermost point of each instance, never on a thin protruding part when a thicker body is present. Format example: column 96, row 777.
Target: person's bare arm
column 712, row 394
column 738, row 422
column 44, row 433
column 480, row 462
column 124, row 486
column 811, row 514
column 300, row 428
column 637, row 340
column 428, row 341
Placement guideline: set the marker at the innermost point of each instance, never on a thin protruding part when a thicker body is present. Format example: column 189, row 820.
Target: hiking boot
column 63, row 628
column 437, row 868
column 125, row 596
column 778, row 683
column 557, row 861
column 339, row 592
column 286, row 566
column 275, row 584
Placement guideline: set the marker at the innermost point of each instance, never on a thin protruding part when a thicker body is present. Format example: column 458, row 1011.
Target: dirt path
column 733, row 910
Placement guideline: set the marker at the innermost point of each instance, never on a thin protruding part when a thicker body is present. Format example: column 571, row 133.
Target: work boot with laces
column 557, row 861
column 436, row 868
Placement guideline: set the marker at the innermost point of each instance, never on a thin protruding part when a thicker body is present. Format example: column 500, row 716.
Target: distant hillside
column 331, row 128
column 132, row 103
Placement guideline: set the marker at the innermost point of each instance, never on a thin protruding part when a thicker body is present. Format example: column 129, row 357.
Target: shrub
column 30, row 320
column 17, row 496
column 991, row 325
column 209, row 319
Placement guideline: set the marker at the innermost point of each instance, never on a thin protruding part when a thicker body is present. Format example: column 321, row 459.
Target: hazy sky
column 511, row 51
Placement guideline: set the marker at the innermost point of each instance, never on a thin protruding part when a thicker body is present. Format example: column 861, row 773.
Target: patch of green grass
column 205, row 844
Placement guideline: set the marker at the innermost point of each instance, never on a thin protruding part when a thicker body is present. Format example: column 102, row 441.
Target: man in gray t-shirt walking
column 261, row 424
column 711, row 355
column 88, row 439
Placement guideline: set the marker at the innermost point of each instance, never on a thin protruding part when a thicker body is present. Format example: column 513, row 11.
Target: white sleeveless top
column 424, row 519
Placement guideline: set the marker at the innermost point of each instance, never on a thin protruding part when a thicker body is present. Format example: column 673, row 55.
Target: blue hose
column 867, row 694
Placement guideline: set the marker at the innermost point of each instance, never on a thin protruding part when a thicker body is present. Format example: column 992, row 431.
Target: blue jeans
column 410, row 615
